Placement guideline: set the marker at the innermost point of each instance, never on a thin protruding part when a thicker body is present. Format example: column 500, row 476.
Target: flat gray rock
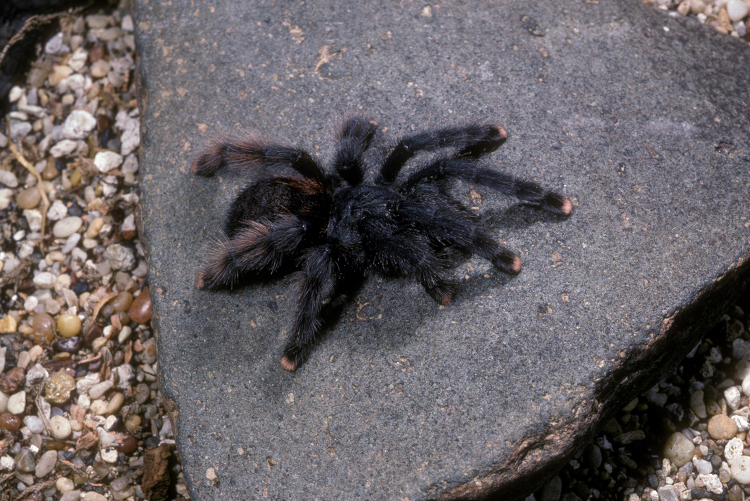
column 639, row 117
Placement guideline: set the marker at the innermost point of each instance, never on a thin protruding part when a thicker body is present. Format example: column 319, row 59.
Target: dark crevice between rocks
column 538, row 458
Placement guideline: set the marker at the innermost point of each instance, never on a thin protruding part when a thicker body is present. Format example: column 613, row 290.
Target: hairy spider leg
column 446, row 225
column 251, row 151
column 354, row 137
column 471, row 141
column 259, row 246
column 528, row 192
column 407, row 253
column 315, row 283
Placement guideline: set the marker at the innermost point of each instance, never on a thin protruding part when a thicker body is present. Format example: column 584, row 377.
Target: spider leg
column 258, row 246
column 410, row 254
column 471, row 141
column 354, row 138
column 448, row 226
column 316, row 284
column 528, row 192
column 250, row 151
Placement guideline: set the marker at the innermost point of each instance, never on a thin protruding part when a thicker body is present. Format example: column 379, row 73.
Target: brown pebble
column 12, row 380
column 735, row 493
column 9, row 421
column 128, row 445
column 44, row 328
column 122, row 302
column 722, row 427
column 55, row 445
column 97, row 53
column 28, row 198
column 140, row 310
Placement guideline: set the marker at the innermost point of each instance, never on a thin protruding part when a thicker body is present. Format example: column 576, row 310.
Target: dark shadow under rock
column 628, row 111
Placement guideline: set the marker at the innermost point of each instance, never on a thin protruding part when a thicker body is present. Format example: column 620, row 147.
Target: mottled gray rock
column 404, row 399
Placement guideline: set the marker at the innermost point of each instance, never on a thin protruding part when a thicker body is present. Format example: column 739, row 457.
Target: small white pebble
column 737, row 10
column 17, row 403
column 60, row 427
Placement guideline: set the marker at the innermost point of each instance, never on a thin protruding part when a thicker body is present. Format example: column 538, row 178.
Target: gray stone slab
column 640, row 117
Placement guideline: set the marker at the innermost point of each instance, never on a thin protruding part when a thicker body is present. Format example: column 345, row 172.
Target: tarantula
column 330, row 225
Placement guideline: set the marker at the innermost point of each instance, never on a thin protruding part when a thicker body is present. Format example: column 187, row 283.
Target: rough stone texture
column 404, row 399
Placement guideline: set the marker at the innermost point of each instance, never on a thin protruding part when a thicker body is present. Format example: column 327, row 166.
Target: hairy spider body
column 330, row 225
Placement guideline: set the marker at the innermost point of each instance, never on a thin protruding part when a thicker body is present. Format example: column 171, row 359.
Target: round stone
column 100, row 69
column 8, row 179
column 68, row 325
column 28, row 198
column 741, row 469
column 722, row 427
column 10, row 421
column 679, row 449
column 64, row 485
column 71, row 496
column 67, row 226
column 59, row 386
column 46, row 464
column 34, row 424
column 17, row 403
column 59, row 427
column 737, row 10
column 140, row 310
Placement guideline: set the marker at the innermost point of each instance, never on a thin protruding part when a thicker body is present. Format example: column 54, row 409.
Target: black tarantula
column 333, row 226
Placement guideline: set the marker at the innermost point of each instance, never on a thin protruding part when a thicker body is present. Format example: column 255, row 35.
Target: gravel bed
column 728, row 16
column 81, row 415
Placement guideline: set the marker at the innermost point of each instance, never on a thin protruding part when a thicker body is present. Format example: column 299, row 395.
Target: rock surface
column 404, row 399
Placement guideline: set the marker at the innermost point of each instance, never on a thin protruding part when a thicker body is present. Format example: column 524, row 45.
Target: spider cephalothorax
column 330, row 225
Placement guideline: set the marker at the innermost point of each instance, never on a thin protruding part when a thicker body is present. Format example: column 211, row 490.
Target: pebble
column 741, row 469
column 46, row 464
column 120, row 258
column 67, row 226
column 63, row 148
column 59, row 387
column 6, row 197
column 78, row 125
column 722, row 427
column 737, row 10
column 106, row 161
column 100, row 389
column 71, row 496
column 64, row 485
column 25, row 461
column 679, row 449
column 68, row 325
column 100, row 68
column 130, row 138
column 8, row 179
column 34, row 424
column 56, row 46
column 28, row 198
column 140, row 310
column 17, row 403
column 114, row 404
column 697, row 404
column 57, row 211
column 59, row 427
column 9, row 421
